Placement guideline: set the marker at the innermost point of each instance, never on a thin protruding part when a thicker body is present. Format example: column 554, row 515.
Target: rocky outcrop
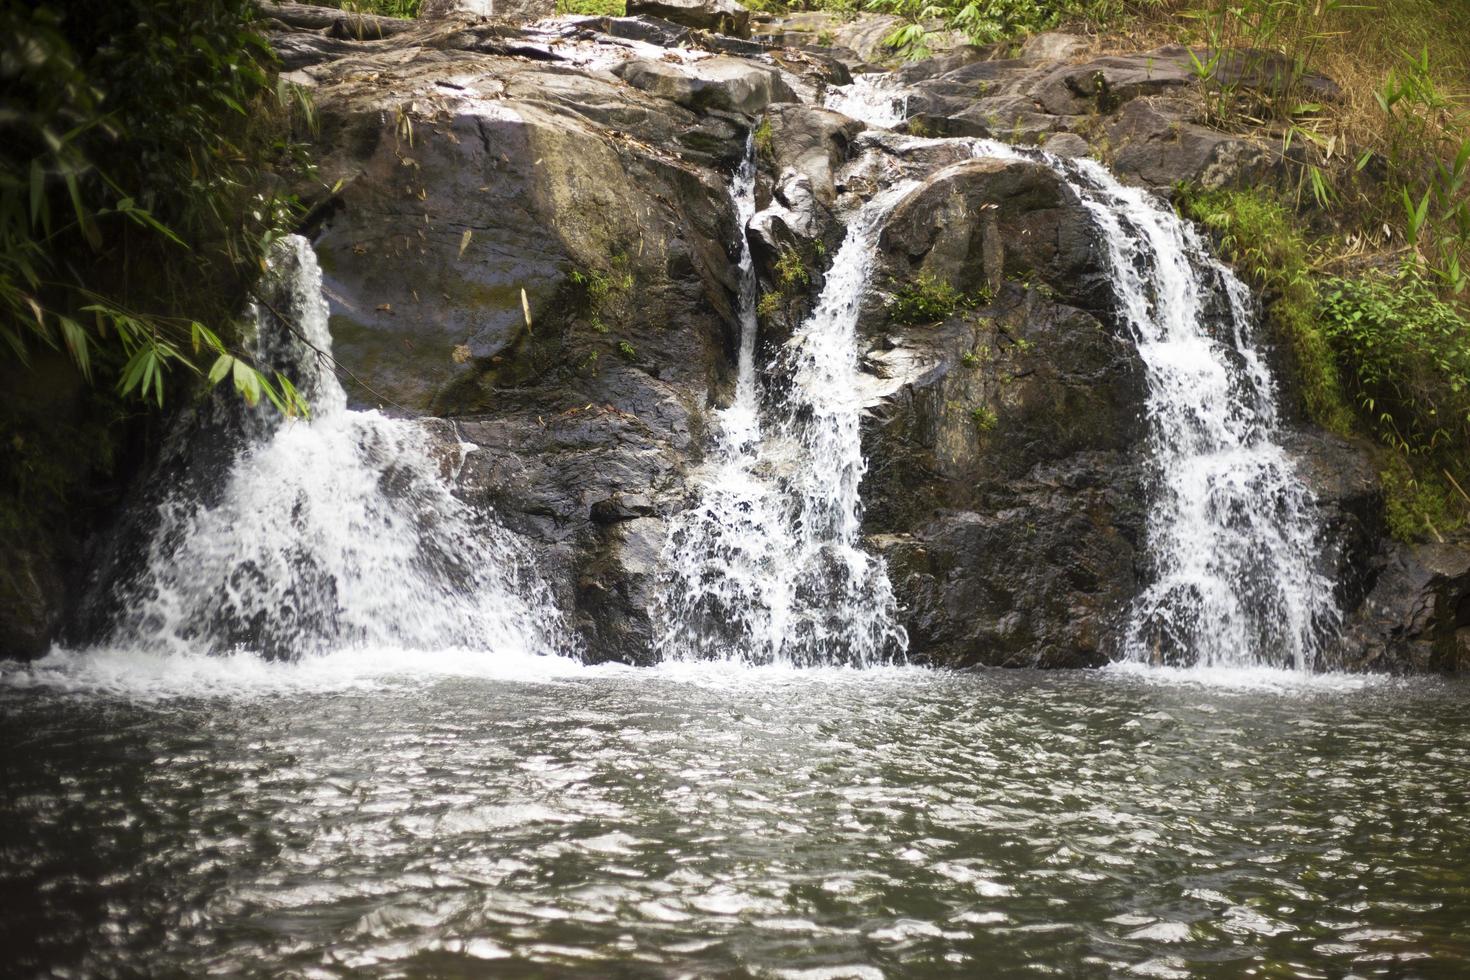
column 1417, row 617
column 530, row 240
column 1006, row 480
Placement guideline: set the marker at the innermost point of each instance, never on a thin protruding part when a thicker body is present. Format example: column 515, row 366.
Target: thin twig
column 1456, row 484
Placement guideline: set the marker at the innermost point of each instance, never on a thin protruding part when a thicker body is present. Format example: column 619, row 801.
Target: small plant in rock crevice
column 791, row 271
column 929, row 299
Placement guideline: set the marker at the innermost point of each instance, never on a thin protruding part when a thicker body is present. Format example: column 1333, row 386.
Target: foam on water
column 873, row 98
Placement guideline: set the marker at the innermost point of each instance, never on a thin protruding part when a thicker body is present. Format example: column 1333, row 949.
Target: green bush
column 1407, row 354
column 137, row 141
column 141, row 147
column 592, row 8
column 383, row 8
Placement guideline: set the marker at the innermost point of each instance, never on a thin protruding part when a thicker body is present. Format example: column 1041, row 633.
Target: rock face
column 533, row 242
column 1417, row 617
column 1006, row 488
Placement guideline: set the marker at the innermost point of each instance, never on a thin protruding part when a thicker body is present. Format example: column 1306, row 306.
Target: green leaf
column 222, row 366
column 78, row 344
column 247, row 382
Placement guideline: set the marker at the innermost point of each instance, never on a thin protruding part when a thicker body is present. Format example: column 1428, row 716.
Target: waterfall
column 1234, row 538
column 1233, row 533
column 768, row 565
column 873, row 98
column 330, row 533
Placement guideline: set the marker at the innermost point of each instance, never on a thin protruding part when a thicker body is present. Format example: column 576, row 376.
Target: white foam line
column 1250, row 678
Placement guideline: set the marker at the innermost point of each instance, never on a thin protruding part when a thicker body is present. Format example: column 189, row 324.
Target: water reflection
column 611, row 822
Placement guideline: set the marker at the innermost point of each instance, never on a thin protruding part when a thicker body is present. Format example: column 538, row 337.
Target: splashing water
column 329, row 534
column 768, row 566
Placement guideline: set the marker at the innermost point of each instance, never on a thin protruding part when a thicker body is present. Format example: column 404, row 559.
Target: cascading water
column 330, row 533
column 873, row 98
column 1233, row 532
column 768, row 566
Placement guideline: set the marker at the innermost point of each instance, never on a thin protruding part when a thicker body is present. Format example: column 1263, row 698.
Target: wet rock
column 718, row 16
column 985, row 221
column 1006, row 464
column 862, row 35
column 621, row 507
column 1066, row 145
column 1153, row 142
column 1417, row 617
column 719, row 83
column 32, row 598
column 812, row 142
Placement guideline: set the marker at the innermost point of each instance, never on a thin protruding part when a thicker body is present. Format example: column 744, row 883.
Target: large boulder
column 1006, row 481
column 719, row 83
column 718, row 16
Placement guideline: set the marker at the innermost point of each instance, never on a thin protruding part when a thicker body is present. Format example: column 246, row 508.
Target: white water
column 1233, row 532
column 1234, row 536
column 329, row 534
column 874, row 98
column 768, row 566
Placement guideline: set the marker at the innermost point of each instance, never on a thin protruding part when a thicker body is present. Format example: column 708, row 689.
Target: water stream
column 336, row 729
column 329, row 534
column 769, row 566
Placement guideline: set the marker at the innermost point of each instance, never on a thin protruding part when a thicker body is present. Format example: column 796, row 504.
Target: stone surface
column 719, row 16
column 1417, row 617
column 720, row 83
column 1005, row 485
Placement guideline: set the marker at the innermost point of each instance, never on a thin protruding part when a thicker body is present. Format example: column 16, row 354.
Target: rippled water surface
column 554, row 820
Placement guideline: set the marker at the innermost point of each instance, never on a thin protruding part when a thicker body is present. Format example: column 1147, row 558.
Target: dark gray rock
column 719, row 83
column 1006, row 480
column 718, row 16
column 812, row 142
column 1417, row 617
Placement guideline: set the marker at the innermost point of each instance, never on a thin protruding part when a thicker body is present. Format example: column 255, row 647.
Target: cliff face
column 533, row 239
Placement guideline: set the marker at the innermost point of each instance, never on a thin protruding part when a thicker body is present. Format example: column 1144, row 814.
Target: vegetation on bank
column 142, row 148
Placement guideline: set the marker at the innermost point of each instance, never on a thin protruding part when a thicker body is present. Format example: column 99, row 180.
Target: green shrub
column 1407, row 354
column 764, row 139
column 984, row 418
column 383, row 8
column 768, row 305
column 137, row 149
column 592, row 8
column 791, row 270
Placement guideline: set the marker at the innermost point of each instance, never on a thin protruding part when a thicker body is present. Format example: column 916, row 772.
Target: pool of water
column 380, row 815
